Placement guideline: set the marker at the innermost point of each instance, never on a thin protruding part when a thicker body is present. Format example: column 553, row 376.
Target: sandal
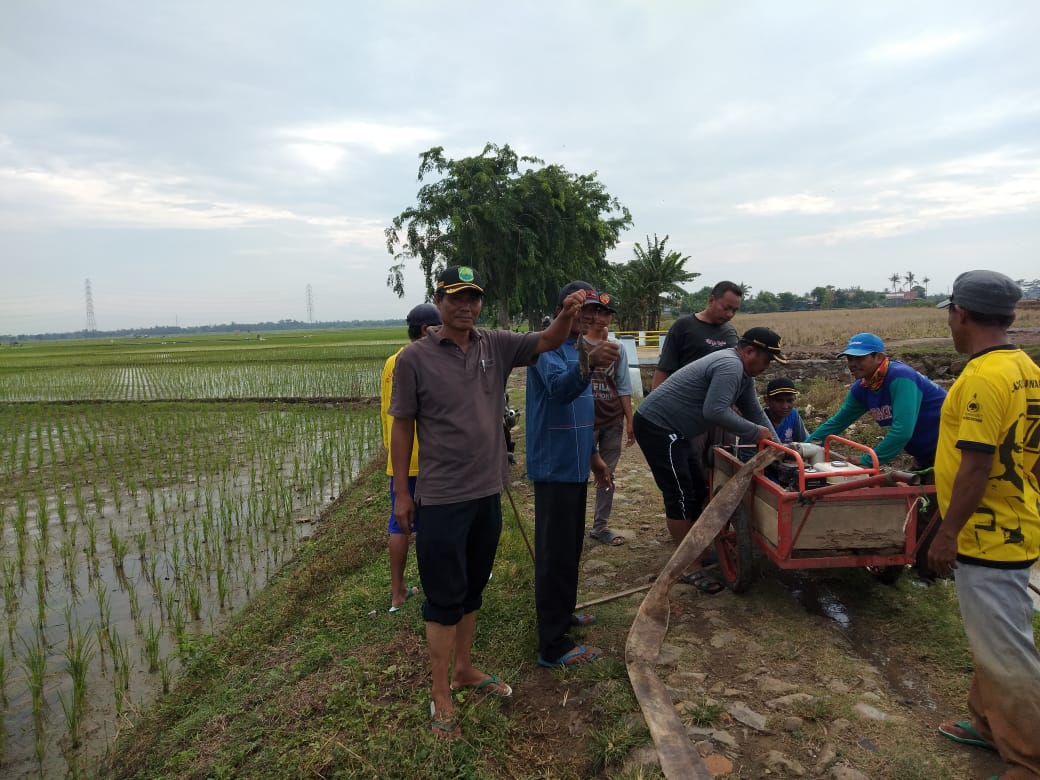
column 443, row 729
column 703, row 582
column 580, row 654
column 582, row 620
column 410, row 590
column 501, row 689
column 607, row 537
column 962, row 732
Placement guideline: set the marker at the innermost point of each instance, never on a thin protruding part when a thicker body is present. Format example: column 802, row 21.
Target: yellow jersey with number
column 994, row 406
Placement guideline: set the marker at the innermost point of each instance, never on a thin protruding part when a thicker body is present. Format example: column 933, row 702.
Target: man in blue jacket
column 560, row 451
column 899, row 399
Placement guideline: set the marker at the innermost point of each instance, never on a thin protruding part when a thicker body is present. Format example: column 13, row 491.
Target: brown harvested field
column 832, row 327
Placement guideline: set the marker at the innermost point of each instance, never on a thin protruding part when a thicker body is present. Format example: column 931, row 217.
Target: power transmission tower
column 310, row 304
column 91, row 322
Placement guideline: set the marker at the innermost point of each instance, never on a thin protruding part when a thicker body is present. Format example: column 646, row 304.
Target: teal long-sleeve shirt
column 903, row 412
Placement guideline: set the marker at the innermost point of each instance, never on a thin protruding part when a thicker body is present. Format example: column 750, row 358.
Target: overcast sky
column 203, row 162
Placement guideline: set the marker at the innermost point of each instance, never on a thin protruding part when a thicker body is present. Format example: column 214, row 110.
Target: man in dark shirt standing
column 450, row 386
column 693, row 336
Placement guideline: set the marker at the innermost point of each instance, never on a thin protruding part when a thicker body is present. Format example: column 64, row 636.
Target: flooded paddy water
column 130, row 532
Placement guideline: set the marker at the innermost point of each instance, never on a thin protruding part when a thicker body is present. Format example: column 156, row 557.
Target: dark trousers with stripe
column 559, row 531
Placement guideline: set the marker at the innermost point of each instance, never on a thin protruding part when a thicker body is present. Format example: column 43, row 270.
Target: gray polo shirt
column 457, row 400
column 702, row 394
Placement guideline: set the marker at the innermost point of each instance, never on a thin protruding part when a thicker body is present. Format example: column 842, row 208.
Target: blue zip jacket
column 560, row 416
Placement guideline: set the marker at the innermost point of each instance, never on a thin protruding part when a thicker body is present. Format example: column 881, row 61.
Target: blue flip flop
column 579, row 654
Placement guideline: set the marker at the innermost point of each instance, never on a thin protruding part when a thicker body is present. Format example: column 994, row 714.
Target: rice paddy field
column 148, row 487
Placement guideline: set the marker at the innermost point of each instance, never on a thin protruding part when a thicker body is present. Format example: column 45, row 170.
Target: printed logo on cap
column 604, row 298
column 465, row 273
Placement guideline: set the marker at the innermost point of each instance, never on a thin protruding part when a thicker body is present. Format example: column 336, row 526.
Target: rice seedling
column 135, row 603
column 151, row 646
column 92, row 537
column 41, row 595
column 222, row 584
column 43, row 517
column 79, row 652
column 60, row 507
column 10, row 576
column 34, row 664
column 104, row 607
column 193, row 595
column 165, row 674
column 119, row 548
column 80, row 501
column 120, row 669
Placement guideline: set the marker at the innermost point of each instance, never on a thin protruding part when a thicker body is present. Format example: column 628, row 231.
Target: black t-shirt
column 689, row 339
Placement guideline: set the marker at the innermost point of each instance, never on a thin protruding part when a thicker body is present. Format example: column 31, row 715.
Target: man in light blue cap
column 899, row 399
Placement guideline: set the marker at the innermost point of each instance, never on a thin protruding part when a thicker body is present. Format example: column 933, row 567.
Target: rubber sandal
column 703, row 582
column 448, row 729
column 410, row 591
column 582, row 620
column 607, row 537
column 968, row 735
column 580, row 654
column 503, row 690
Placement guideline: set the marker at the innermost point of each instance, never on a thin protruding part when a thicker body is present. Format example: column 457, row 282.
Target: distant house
column 900, row 298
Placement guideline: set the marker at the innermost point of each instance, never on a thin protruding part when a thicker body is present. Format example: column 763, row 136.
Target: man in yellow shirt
column 987, row 477
column 419, row 319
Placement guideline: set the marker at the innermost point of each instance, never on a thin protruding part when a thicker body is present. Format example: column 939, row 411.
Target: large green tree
column 527, row 227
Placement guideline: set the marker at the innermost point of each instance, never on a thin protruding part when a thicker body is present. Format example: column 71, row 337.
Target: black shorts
column 676, row 469
column 455, row 548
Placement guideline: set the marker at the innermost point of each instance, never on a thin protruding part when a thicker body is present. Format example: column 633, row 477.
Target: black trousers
column 559, row 532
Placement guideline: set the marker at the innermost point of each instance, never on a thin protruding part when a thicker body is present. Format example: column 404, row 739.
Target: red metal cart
column 842, row 516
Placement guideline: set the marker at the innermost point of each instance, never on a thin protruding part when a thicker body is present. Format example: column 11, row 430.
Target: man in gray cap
column 419, row 319
column 987, row 477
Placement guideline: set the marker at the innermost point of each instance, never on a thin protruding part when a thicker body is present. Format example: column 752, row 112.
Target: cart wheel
column 736, row 552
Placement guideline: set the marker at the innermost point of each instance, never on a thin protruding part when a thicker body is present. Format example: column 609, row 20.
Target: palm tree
column 654, row 274
column 894, row 278
column 910, row 279
column 925, row 281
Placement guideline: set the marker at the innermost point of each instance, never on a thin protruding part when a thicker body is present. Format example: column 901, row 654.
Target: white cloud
column 113, row 197
column 321, row 157
column 372, row 136
column 801, row 203
column 918, row 48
